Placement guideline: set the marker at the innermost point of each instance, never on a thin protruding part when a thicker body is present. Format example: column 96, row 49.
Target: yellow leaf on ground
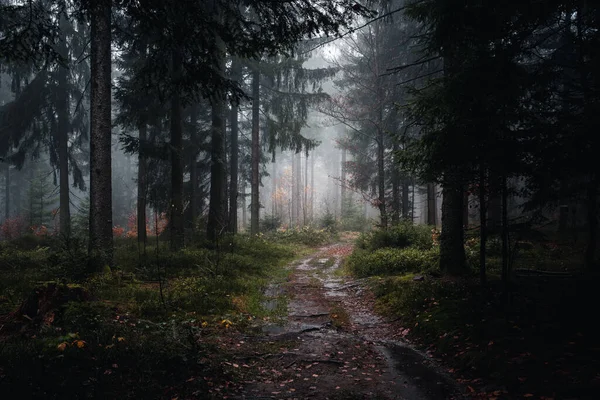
column 62, row 346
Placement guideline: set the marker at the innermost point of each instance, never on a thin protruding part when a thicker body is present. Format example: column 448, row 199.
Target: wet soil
column 332, row 344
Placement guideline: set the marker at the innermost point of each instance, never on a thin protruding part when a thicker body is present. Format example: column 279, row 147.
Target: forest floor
column 332, row 345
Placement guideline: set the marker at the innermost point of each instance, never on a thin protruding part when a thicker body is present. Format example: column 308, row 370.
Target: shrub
column 270, row 223
column 328, row 221
column 389, row 261
column 400, row 236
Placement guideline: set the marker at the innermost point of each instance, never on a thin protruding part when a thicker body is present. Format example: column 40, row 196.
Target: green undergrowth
column 307, row 235
column 489, row 340
column 147, row 329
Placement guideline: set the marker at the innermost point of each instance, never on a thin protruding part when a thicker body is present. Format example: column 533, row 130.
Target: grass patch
column 391, row 261
column 136, row 337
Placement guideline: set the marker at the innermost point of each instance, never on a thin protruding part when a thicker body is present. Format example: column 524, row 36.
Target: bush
column 389, row 261
column 270, row 223
column 328, row 221
column 400, row 236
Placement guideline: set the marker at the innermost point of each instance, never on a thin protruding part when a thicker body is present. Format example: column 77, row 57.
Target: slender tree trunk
column 101, row 240
column 294, row 203
column 142, row 187
column 244, row 205
column 254, row 198
column 482, row 225
column 405, row 199
column 63, row 141
column 236, row 71
column 343, row 202
column 452, row 250
column 412, row 208
column 381, row 177
column 273, row 188
column 395, row 185
column 298, row 183
column 7, row 192
column 312, row 188
column 216, row 213
column 177, row 224
column 505, row 237
column 431, row 205
column 305, row 186
column 194, row 168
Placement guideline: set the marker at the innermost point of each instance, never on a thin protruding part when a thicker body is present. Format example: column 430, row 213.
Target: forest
column 293, row 199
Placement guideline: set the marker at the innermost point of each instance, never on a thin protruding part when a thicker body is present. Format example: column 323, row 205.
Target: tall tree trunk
column 216, row 212
column 452, row 250
column 63, row 141
column 343, row 202
column 482, row 225
column 381, row 177
column 273, row 188
column 505, row 237
column 305, row 187
column 298, row 183
column 294, row 197
column 101, row 240
column 312, row 188
column 142, row 187
column 7, row 192
column 431, row 205
column 194, row 168
column 395, row 190
column 254, row 199
column 405, row 199
column 177, row 224
column 236, row 72
column 244, row 205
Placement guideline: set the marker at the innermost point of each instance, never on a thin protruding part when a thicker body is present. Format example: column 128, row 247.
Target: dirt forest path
column 333, row 345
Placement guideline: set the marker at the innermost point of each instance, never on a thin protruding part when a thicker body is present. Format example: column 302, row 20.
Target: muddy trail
column 332, row 344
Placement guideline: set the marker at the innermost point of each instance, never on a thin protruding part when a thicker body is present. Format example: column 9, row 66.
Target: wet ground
column 333, row 345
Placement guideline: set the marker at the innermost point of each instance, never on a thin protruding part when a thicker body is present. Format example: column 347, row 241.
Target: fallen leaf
column 62, row 346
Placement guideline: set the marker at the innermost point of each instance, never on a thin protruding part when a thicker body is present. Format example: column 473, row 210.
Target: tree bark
column 312, row 188
column 216, row 212
column 254, row 199
column 236, row 71
column 298, row 183
column 293, row 195
column 431, row 205
column 63, row 141
column 7, row 192
column 194, row 167
column 482, row 225
column 395, row 187
column 381, row 177
column 343, row 193
column 305, row 187
column 177, row 224
column 452, row 250
column 100, row 234
column 405, row 199
column 142, row 187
